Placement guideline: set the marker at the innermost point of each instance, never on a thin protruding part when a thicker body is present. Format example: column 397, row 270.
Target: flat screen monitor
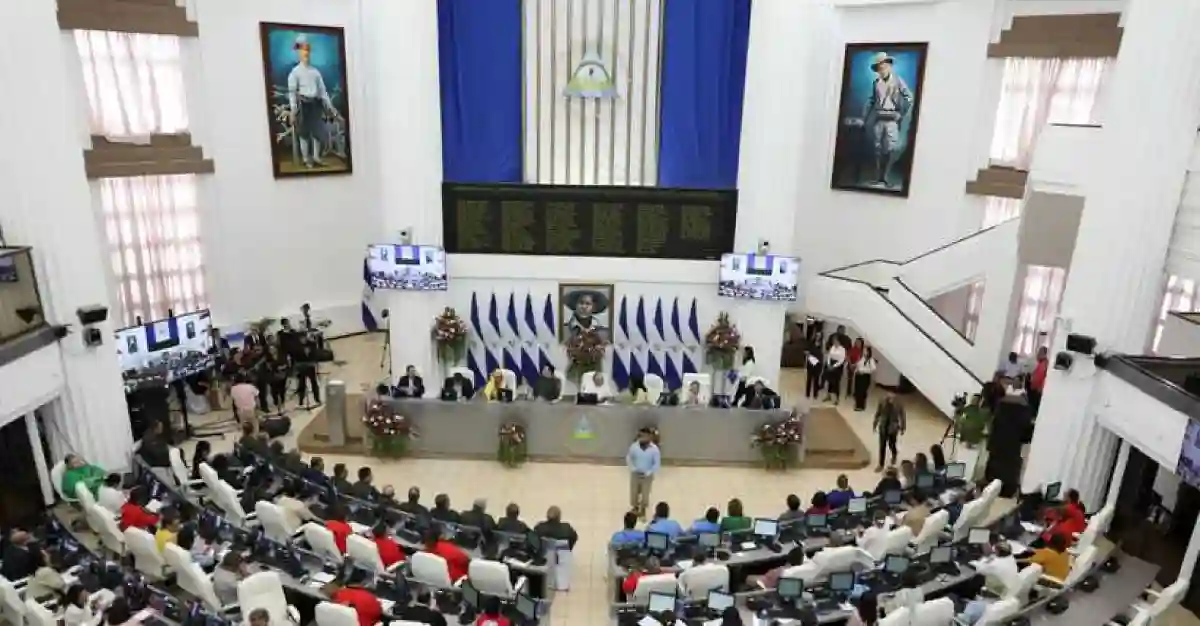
column 661, row 602
column 941, row 554
column 816, row 520
column 856, row 506
column 719, row 600
column 924, row 480
column 8, row 269
column 841, row 582
column 470, row 595
column 956, row 470
column 979, row 536
column 406, row 267
column 789, row 588
column 895, row 564
column 766, row 527
column 758, row 277
column 527, row 606
column 657, row 542
column 892, row 498
column 175, row 347
column 708, row 540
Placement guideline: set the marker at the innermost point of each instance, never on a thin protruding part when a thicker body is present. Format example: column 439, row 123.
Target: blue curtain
column 479, row 58
column 702, row 79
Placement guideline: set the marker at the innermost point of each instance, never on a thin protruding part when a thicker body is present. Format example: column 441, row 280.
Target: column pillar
column 405, row 107
column 780, row 58
column 48, row 205
column 39, row 458
column 1113, row 287
column 1118, row 475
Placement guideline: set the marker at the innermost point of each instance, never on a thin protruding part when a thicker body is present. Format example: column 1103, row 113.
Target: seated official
column 595, row 386
column 638, row 393
column 409, row 385
column 866, row 610
column 293, row 463
column 999, row 572
column 662, row 522
column 363, row 489
column 134, row 514
column 294, row 509
column 457, row 560
column 78, row 472
column 441, row 510
column 909, row 595
column 421, row 610
column 649, row 567
column 841, row 496
column 889, row 482
column 954, row 507
column 496, row 389
column 111, row 496
column 554, row 528
column 315, row 473
column 759, row 396
column 1066, row 521
column 490, row 613
column 735, row 520
column 354, row 594
column 629, row 535
column 918, row 511
column 202, row 454
column 249, row 441
column 341, row 478
column 335, row 521
column 511, row 522
column 390, row 552
column 548, row 386
column 710, row 523
column 413, row 505
column 692, row 396
column 793, row 509
column 457, row 387
column 228, row 576
column 19, row 558
column 820, row 504
column 1054, row 558
column 387, row 496
column 478, row 517
column 770, row 580
column 154, row 450
column 700, row 566
column 82, row 608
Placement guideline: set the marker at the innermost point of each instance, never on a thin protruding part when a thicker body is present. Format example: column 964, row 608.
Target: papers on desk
column 1030, row 527
column 512, row 561
column 322, row 578
column 649, row 621
column 747, row 545
column 359, row 529
column 154, row 506
column 1017, row 547
column 714, row 622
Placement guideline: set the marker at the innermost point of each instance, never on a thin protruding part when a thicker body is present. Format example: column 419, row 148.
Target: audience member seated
column 260, row 617
column 793, row 509
column 24, row 558
column 820, row 504
column 228, row 576
column 168, row 530
column 917, row 511
column 700, row 566
column 276, row 452
column 629, row 535
column 457, row 387
column 387, row 496
column 225, row 469
column 201, row 552
column 478, row 517
column 442, row 511
column 954, row 507
column 998, row 570
column 554, row 528
column 295, row 511
column 420, row 611
column 597, row 387
column 759, row 396
column 82, row 609
column 494, row 390
column 874, row 538
column 118, row 612
column 548, row 386
column 889, row 482
column 363, row 489
column 111, row 496
column 1072, row 501
column 134, row 513
column 770, row 580
column 490, row 613
column 293, row 463
column 921, row 464
column 735, row 519
column 315, row 472
column 202, row 454
column 457, row 560
column 710, row 523
column 389, row 551
column 335, row 521
column 866, row 611
column 341, row 478
column 409, row 385
column 249, row 442
column 909, row 595
column 355, row 595
column 649, row 567
column 908, row 473
column 511, row 522
column 841, row 496
column 1054, row 558
column 79, row 471
column 413, row 505
column 662, row 522
column 692, row 396
column 1066, row 520
column 637, row 391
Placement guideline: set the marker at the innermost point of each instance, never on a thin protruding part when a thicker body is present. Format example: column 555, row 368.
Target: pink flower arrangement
column 450, row 334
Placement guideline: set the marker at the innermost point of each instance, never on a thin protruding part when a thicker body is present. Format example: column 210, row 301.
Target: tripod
column 385, row 354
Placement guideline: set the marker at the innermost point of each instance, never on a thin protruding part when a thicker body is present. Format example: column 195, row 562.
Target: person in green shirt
column 734, row 520
column 79, row 471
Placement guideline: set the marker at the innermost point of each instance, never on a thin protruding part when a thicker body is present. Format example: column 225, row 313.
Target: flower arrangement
column 389, row 431
column 511, row 451
column 585, row 350
column 778, row 441
column 721, row 343
column 450, row 334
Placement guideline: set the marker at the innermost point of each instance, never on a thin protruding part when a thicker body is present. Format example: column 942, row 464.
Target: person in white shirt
column 874, row 539
column 909, row 595
column 999, row 570
column 82, row 610
column 744, row 373
column 308, row 101
column 295, row 511
column 835, row 364
column 863, row 371
column 597, row 386
column 111, row 496
column 700, row 573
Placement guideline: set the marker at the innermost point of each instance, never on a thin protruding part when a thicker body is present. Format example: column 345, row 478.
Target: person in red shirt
column 1073, row 502
column 354, row 595
column 335, row 521
column 490, row 614
column 1037, row 381
column 134, row 513
column 1067, row 521
column 457, row 561
column 649, row 568
column 389, row 551
column 820, row 504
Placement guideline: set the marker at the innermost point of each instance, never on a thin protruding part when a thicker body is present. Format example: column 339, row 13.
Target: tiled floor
column 594, row 498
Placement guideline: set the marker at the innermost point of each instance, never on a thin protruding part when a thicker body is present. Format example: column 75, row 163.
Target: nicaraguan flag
column 620, row 375
column 473, row 365
column 529, row 369
column 639, row 319
column 652, row 366
column 675, row 321
column 476, row 325
column 511, row 318
column 635, row 368
column 543, row 359
column 658, row 321
column 548, row 316
column 510, row 363
column 623, row 319
column 490, row 361
column 369, row 320
column 494, row 316
column 688, row 366
column 694, row 323
column 408, row 255
column 530, row 320
column 763, row 265
column 671, row 374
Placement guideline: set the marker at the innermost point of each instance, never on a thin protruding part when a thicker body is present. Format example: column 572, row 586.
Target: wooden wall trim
column 165, row 155
column 153, row 17
column 1060, row 36
column 996, row 180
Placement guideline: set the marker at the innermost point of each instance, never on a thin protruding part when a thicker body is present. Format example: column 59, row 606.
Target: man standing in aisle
column 309, row 101
column 643, row 461
column 890, row 423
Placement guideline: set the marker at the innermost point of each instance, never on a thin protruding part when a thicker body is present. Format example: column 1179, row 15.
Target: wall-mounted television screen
column 8, row 269
column 758, row 277
column 166, row 349
column 408, row 268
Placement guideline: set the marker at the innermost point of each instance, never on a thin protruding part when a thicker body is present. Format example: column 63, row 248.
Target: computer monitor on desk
column 526, row 607
column 661, row 602
column 718, row 601
column 941, row 555
column 789, row 588
column 841, row 583
column 766, row 528
column 816, row 521
column 956, row 471
column 895, row 564
column 708, row 541
column 979, row 536
column 892, row 497
column 1053, row 491
column 856, row 506
column 925, row 480
column 657, row 543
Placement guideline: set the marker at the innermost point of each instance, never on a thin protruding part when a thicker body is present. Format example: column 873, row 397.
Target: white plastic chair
column 898, row 539
column 177, row 558
column 265, row 590
column 654, row 583
column 365, row 553
column 1080, row 567
column 180, row 471
column 84, row 496
column 1096, row 527
column 510, row 379
column 842, row 559
column 12, row 608
column 146, row 557
column 226, row 498
column 695, row 582
column 101, row 521
column 939, row 612
column 997, row 612
column 322, row 542
column 431, row 570
column 38, row 615
column 1025, row 581
column 56, row 479
column 191, row 578
column 927, row 539
column 210, row 477
column 900, row 617
column 493, row 578
column 989, row 494
column 970, row 517
column 330, row 614
column 273, row 522
column 1162, row 601
column 654, row 386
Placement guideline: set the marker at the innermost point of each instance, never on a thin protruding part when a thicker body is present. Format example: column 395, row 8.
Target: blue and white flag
column 494, row 316
column 548, row 316
column 658, row 321
column 620, row 375
column 639, row 319
column 623, row 320
column 694, row 323
column 529, row 369
column 408, row 255
column 688, row 366
column 511, row 318
column 473, row 365
column 635, row 368
column 652, row 366
column 671, row 373
column 530, row 320
column 369, row 319
column 675, row 321
column 475, row 323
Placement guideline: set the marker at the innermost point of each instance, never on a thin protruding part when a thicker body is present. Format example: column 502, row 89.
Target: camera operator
column 278, row 368
column 302, row 352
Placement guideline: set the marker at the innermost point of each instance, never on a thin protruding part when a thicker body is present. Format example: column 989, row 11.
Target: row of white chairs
column 655, row 385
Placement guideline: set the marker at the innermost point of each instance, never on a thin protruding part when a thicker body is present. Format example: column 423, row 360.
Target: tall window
column 974, row 307
column 1040, row 300
column 999, row 210
column 1180, row 296
column 135, row 89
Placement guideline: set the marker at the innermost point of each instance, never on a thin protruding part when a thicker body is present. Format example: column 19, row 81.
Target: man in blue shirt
column 841, row 496
column 630, row 535
column 662, row 522
column 710, row 524
column 643, row 461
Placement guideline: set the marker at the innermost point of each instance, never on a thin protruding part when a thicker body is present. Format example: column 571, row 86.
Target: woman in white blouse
column 835, row 364
column 863, row 370
column 744, row 373
column 81, row 610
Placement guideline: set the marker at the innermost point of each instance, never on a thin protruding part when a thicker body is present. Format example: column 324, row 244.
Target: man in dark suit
column 409, row 385
column 363, row 489
column 413, row 504
column 457, row 387
column 759, row 396
column 554, row 528
column 478, row 517
column 254, row 338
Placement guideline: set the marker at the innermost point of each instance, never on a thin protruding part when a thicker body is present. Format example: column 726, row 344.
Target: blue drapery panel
column 702, row 80
column 479, row 58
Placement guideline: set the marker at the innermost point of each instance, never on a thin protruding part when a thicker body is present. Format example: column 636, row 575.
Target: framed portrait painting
column 585, row 306
column 877, row 117
column 308, row 103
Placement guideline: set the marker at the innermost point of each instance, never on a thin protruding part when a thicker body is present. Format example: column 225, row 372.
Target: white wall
column 1180, row 336
column 30, row 382
column 271, row 245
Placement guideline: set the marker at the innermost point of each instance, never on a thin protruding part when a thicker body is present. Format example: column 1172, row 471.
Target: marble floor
column 594, row 498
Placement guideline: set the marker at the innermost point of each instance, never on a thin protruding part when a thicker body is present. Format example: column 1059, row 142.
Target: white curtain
column 1040, row 301
column 974, row 306
column 999, row 210
column 1036, row 92
column 152, row 227
column 1180, row 296
column 134, row 83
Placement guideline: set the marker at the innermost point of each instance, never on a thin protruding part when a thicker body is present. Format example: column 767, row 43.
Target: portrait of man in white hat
column 890, row 101
column 309, row 100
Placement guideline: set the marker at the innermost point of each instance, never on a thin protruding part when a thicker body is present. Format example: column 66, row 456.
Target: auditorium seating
column 1026, row 580
column 38, row 615
column 56, row 479
column 364, row 553
column 273, row 522
column 1146, row 614
column 102, row 523
column 493, row 578
column 180, row 471
column 322, row 542
column 330, row 614
column 264, row 590
column 939, row 612
column 12, row 609
column 431, row 570
column 931, row 531
column 146, row 557
column 654, row 583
